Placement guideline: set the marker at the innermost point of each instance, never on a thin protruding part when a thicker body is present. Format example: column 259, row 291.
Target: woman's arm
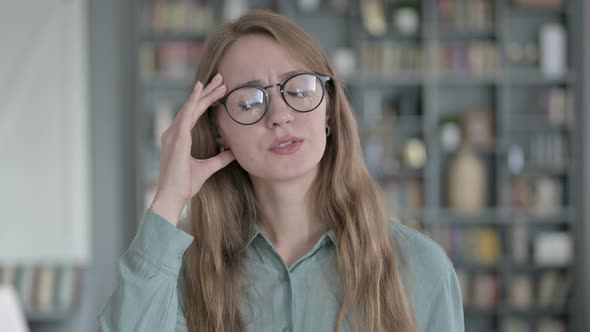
column 146, row 298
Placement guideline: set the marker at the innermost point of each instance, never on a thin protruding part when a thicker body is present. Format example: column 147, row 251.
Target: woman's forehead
column 257, row 58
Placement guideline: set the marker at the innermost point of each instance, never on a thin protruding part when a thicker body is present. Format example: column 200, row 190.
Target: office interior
column 472, row 115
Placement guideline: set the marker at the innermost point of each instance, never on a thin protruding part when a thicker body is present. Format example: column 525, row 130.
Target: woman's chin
column 284, row 174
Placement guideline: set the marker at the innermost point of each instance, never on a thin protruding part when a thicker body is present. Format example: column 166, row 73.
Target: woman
column 292, row 236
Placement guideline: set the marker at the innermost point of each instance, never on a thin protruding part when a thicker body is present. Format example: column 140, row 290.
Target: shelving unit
column 394, row 106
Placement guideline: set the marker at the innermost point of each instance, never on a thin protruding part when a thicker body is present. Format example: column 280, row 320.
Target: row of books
column 45, row 288
column 473, row 58
column 548, row 248
column 546, row 4
column 174, row 60
column 483, row 290
column 538, row 195
column 388, row 58
column 465, row 244
column 548, row 151
column 551, row 107
column 557, row 106
column 479, row 290
column 404, row 198
column 483, row 245
column 551, row 290
column 180, row 16
column 545, row 324
column 466, row 15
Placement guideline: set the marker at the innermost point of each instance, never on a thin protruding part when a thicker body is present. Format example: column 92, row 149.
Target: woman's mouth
column 286, row 145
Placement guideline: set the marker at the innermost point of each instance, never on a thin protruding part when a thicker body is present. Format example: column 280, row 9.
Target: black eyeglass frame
column 322, row 78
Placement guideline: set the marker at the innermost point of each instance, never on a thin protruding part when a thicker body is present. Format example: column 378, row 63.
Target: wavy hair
column 344, row 196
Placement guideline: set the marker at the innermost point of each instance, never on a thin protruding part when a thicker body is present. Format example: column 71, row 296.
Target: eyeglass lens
column 302, row 93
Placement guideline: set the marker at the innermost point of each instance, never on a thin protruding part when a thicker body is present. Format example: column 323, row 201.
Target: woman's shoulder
column 431, row 283
column 426, row 260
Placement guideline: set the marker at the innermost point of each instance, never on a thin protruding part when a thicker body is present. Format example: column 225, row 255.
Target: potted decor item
column 406, row 18
column 467, row 185
column 373, row 16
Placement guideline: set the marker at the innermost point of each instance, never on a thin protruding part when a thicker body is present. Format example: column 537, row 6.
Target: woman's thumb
column 213, row 164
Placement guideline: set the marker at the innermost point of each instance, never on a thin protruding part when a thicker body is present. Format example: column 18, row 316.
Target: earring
column 327, row 130
column 221, row 149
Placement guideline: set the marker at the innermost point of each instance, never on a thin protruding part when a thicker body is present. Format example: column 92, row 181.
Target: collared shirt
column 275, row 297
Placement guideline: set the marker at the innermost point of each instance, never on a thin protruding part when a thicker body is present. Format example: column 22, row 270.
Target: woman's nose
column 279, row 113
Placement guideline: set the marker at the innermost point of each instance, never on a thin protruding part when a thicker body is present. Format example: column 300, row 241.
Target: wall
column 112, row 95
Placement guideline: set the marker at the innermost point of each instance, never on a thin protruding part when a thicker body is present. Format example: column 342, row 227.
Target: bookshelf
column 460, row 88
column 48, row 292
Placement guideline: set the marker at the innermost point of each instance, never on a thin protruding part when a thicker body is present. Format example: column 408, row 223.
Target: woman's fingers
column 215, row 82
column 215, row 163
column 191, row 103
column 205, row 102
column 199, row 100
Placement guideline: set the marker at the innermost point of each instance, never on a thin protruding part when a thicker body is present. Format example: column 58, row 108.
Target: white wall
column 112, row 71
column 44, row 143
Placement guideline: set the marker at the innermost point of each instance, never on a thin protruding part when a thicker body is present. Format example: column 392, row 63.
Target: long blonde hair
column 344, row 196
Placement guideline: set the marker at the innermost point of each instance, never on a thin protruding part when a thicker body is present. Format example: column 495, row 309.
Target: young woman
column 286, row 229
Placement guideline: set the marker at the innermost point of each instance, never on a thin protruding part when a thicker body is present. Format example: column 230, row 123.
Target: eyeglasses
column 303, row 92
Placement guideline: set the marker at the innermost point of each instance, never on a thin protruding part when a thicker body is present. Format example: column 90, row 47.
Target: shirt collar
column 256, row 231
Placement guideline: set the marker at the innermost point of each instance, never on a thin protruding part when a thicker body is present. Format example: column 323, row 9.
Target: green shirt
column 303, row 297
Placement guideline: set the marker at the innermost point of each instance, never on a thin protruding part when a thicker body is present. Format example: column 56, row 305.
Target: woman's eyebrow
column 283, row 76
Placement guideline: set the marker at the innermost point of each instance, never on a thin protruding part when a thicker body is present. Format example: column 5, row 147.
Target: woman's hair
column 344, row 196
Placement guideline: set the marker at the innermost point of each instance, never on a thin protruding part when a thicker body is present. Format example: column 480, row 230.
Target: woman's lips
column 282, row 140
column 288, row 149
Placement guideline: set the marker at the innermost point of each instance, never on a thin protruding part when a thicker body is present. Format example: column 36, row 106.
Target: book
column 7, row 275
column 64, row 288
column 550, row 325
column 554, row 288
column 468, row 58
column 24, row 285
column 521, row 292
column 485, row 291
column 516, row 325
column 44, row 297
column 520, row 243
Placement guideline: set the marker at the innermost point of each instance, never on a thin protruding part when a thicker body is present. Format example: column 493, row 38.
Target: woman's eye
column 249, row 106
column 299, row 94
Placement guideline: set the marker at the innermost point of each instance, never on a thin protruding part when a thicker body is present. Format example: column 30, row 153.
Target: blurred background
column 472, row 116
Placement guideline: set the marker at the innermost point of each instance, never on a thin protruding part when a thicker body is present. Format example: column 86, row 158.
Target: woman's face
column 260, row 59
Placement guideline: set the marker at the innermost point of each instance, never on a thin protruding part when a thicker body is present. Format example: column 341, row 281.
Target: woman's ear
column 217, row 132
column 220, row 141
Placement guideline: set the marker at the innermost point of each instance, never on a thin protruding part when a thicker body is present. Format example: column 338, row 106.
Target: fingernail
column 217, row 77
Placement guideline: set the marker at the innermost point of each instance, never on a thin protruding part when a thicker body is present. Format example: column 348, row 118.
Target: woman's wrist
column 166, row 209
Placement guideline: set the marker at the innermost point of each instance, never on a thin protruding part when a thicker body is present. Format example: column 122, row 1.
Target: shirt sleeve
column 146, row 297
column 446, row 311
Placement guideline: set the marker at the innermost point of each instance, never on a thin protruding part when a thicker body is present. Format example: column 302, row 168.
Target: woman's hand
column 181, row 175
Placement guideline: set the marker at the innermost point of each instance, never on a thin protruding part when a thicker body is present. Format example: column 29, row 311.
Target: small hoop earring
column 327, row 130
column 221, row 149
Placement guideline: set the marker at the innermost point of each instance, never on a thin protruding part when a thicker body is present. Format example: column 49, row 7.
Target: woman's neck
column 287, row 220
